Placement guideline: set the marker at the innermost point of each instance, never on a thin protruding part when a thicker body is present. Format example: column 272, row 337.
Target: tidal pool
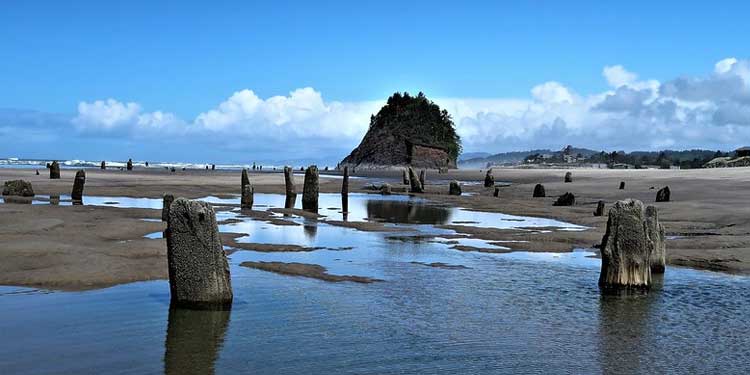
column 504, row 313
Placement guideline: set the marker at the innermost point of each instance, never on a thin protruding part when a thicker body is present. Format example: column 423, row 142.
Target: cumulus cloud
column 711, row 111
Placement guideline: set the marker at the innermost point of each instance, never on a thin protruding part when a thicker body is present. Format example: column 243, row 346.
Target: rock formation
column 246, row 202
column 345, row 191
column 198, row 268
column 656, row 235
column 405, row 177
column 54, row 170
column 622, row 185
column 166, row 202
column 103, row 165
column 539, row 191
column 130, row 164
column 455, row 188
column 566, row 199
column 19, row 188
column 80, row 180
column 416, row 185
column 599, row 209
column 626, row 248
column 663, row 195
column 489, row 179
column 311, row 189
column 568, row 177
column 408, row 130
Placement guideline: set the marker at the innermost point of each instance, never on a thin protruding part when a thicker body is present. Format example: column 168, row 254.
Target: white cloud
column 617, row 76
column 552, row 92
column 711, row 111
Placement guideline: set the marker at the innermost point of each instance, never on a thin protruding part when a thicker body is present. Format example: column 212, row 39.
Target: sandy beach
column 85, row 247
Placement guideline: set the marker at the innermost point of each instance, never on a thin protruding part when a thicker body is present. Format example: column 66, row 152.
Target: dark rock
column 289, row 181
column 622, row 185
column 246, row 202
column 416, row 185
column 422, row 178
column 539, row 191
column 626, row 248
column 496, row 193
column 489, row 179
column 345, row 191
column 19, row 188
column 599, row 209
column 80, row 180
column 166, row 202
column 130, row 164
column 311, row 189
column 657, row 240
column 172, row 170
column 37, row 172
column 198, row 268
column 213, row 167
column 408, row 131
column 455, row 188
column 405, row 177
column 103, row 165
column 566, row 199
column 385, row 189
column 663, row 195
column 54, row 170
column 568, row 177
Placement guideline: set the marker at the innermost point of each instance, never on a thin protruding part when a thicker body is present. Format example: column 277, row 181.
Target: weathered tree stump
column 622, row 185
column 497, row 192
column 77, row 194
column 539, row 191
column 245, row 180
column 385, row 189
column 345, row 191
column 568, row 177
column 198, row 268
column 167, row 200
column 246, row 201
column 566, row 199
column 19, row 188
column 54, row 171
column 489, row 179
column 422, row 178
column 663, row 195
column 311, row 189
column 626, row 248
column 455, row 188
column 405, row 177
column 289, row 182
column 416, row 185
column 599, row 209
column 130, row 164
column 656, row 235
column 103, row 165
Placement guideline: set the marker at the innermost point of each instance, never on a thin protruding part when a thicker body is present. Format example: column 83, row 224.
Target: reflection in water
column 406, row 212
column 624, row 325
column 194, row 340
column 311, row 230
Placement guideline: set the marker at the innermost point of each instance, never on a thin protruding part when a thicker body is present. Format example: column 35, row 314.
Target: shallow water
column 505, row 313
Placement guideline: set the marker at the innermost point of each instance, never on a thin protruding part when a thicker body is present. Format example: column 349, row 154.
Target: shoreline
column 88, row 247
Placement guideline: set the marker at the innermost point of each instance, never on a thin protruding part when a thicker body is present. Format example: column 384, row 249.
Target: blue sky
column 186, row 58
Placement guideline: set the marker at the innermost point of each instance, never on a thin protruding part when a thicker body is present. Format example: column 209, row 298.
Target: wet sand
column 306, row 270
column 83, row 247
